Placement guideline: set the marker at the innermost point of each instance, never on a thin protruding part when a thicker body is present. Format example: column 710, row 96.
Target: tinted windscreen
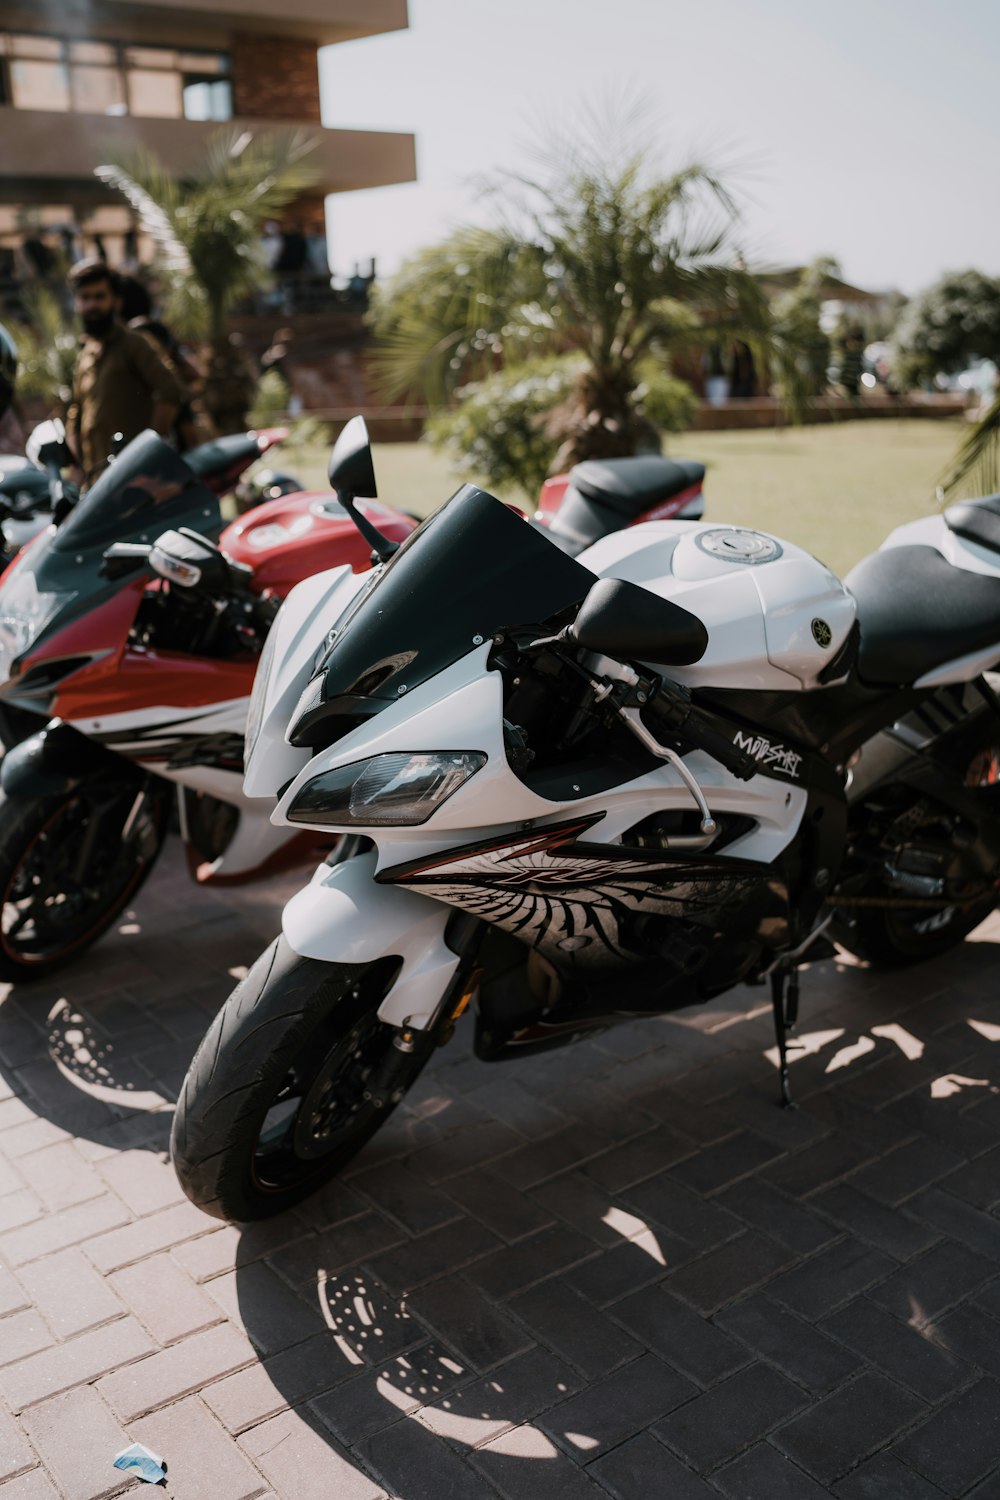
column 473, row 569
column 147, row 490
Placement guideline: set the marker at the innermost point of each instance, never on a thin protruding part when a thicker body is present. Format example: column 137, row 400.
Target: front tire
column 69, row 866
column 279, row 1095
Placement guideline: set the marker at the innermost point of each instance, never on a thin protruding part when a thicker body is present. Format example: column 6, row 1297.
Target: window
column 97, row 91
column 103, row 78
column 207, row 98
column 154, row 94
column 39, row 85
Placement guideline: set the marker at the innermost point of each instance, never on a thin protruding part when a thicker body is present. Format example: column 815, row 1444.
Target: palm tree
column 207, row 227
column 599, row 260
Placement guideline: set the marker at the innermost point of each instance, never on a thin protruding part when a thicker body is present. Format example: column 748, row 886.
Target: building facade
column 81, row 79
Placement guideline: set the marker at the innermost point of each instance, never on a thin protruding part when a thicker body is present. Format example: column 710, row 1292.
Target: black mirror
column 351, row 471
column 624, row 620
column 122, row 558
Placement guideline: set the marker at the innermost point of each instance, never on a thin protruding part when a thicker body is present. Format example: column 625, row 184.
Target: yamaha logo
column 822, row 634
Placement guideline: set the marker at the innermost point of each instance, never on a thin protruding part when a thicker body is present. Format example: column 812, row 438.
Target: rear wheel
column 895, row 935
column 892, row 937
column 68, row 866
column 294, row 1075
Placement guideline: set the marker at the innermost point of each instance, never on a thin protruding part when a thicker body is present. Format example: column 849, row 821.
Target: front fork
column 389, row 1077
column 104, row 811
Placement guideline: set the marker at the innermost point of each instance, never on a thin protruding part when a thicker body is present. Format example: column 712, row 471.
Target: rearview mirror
column 623, row 620
column 351, row 471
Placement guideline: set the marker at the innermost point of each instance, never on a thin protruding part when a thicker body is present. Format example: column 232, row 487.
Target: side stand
column 785, row 1003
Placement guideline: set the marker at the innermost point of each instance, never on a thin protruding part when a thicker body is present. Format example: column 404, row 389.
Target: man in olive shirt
column 121, row 384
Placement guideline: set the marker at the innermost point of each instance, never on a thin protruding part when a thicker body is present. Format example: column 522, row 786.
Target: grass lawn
column 837, row 490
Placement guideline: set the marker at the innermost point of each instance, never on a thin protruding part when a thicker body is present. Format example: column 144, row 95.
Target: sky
column 865, row 129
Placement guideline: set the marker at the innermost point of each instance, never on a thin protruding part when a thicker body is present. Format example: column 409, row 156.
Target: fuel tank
column 776, row 616
column 295, row 536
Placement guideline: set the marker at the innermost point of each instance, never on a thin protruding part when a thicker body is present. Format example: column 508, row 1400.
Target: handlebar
column 676, row 711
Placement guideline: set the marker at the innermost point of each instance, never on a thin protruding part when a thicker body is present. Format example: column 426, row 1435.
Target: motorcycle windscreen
column 58, row 578
column 472, row 570
column 146, row 491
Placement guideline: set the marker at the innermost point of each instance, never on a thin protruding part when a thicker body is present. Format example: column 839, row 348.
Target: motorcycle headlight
column 24, row 614
column 397, row 790
column 255, row 712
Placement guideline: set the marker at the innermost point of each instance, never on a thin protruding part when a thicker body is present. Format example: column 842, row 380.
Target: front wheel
column 294, row 1075
column 69, row 865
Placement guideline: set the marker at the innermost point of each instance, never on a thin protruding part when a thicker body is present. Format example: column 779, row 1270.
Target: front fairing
column 297, row 636
column 56, row 583
column 470, row 571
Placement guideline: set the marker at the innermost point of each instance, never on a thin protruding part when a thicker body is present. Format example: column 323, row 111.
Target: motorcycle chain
column 905, row 903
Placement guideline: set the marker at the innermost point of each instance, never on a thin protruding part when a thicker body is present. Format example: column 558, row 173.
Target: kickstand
column 785, row 1002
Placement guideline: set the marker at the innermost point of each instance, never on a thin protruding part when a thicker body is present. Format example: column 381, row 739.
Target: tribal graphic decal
column 578, row 903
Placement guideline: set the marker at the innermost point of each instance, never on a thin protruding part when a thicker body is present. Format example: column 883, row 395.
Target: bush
column 501, row 432
column 953, row 322
column 496, row 435
column 47, row 349
column 668, row 403
column 270, row 402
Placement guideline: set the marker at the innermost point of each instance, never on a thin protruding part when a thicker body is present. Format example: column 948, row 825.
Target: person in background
column 852, row 363
column 120, row 384
column 192, row 425
column 134, row 300
column 270, row 244
column 316, row 252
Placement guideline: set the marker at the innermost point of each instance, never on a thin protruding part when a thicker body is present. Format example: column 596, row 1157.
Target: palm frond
column 975, row 469
column 152, row 194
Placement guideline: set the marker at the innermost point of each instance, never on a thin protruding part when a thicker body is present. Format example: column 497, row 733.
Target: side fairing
column 589, row 905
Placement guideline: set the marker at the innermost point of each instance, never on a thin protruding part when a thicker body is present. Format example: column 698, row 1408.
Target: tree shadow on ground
column 506, row 1317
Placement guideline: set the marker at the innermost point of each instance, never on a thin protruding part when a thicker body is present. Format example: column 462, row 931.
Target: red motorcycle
column 129, row 639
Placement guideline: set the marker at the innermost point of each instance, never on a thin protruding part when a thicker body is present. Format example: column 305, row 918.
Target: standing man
column 121, row 384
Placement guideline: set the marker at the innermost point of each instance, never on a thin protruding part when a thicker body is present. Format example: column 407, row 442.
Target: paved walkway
column 616, row 1270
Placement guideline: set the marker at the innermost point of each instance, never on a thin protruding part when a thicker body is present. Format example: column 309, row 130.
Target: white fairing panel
column 311, row 609
column 775, row 615
column 933, row 531
column 462, row 709
column 343, row 917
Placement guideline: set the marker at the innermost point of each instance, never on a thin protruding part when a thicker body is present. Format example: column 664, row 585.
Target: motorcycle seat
column 220, row 454
column 631, row 485
column 977, row 521
column 916, row 612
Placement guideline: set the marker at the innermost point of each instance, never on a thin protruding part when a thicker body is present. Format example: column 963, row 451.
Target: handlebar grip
column 706, row 737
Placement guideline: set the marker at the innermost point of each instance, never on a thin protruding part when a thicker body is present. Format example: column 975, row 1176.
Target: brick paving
column 619, row 1270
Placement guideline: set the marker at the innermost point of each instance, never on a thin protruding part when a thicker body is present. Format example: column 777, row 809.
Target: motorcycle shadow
column 100, row 1048
column 530, row 1265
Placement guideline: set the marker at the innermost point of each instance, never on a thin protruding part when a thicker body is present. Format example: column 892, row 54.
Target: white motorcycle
column 588, row 790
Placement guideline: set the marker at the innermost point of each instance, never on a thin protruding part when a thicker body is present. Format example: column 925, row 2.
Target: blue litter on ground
column 138, row 1460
